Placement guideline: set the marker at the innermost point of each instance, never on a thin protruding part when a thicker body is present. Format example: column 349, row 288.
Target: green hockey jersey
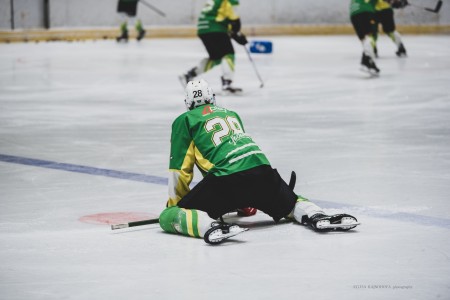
column 360, row 6
column 213, row 139
column 216, row 16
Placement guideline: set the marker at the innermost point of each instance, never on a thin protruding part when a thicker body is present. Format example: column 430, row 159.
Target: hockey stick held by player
column 435, row 10
column 237, row 175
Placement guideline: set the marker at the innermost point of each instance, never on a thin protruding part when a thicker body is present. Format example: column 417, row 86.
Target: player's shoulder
column 209, row 109
column 204, row 111
column 221, row 110
column 180, row 119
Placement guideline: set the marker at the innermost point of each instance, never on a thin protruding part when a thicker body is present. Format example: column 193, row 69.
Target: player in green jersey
column 384, row 15
column 236, row 173
column 217, row 24
column 362, row 15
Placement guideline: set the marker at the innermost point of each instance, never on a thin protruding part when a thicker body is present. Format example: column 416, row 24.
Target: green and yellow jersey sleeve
column 216, row 16
column 213, row 139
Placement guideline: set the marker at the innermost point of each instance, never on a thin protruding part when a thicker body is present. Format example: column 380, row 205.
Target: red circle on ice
column 116, row 217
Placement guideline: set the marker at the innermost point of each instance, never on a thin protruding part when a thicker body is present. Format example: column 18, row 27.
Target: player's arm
column 235, row 23
column 182, row 161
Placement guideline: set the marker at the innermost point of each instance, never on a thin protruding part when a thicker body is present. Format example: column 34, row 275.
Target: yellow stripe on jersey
column 382, row 4
column 226, row 11
column 179, row 180
column 202, row 162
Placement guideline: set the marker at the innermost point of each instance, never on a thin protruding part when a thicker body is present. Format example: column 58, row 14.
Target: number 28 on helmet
column 198, row 93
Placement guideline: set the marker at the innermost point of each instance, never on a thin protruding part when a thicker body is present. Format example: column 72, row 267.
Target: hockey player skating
column 362, row 16
column 127, row 9
column 384, row 15
column 236, row 172
column 217, row 24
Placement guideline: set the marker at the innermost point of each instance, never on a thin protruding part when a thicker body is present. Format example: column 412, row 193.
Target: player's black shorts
column 363, row 24
column 385, row 17
column 218, row 44
column 260, row 187
column 128, row 6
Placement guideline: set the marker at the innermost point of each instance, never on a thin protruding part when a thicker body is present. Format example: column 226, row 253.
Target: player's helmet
column 198, row 93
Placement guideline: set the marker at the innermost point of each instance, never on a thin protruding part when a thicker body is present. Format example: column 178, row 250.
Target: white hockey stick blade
column 119, row 226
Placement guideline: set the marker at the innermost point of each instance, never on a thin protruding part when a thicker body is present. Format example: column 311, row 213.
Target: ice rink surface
column 85, row 130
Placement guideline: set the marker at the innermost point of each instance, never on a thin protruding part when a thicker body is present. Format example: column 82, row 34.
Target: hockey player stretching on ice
column 384, row 15
column 362, row 15
column 236, row 173
column 217, row 24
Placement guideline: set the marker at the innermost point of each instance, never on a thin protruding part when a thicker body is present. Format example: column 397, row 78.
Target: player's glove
column 246, row 212
column 239, row 37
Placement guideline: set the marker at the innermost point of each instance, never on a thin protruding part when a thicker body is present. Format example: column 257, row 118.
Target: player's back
column 220, row 139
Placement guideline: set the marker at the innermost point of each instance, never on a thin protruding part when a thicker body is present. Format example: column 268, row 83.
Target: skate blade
column 371, row 72
column 217, row 236
column 346, row 223
column 344, row 226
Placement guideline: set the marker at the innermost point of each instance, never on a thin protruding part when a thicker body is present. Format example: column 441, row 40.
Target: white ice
column 378, row 148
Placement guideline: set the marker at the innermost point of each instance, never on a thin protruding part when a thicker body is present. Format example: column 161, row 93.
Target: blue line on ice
column 378, row 213
column 83, row 169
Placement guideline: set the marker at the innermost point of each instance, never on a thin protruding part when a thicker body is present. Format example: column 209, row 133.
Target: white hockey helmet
column 198, row 93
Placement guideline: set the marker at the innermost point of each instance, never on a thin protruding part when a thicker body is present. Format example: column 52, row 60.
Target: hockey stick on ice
column 135, row 223
column 254, row 67
column 153, row 8
column 435, row 10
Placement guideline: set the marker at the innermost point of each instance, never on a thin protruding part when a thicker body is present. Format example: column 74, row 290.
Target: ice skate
column 221, row 231
column 375, row 51
column 140, row 30
column 186, row 77
column 123, row 37
column 401, row 52
column 227, row 88
column 368, row 65
column 140, row 35
column 339, row 222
